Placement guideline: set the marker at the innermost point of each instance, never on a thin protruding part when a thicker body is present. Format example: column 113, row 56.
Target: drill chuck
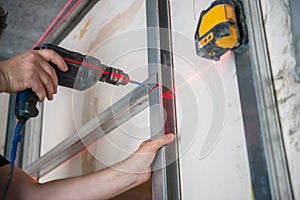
column 114, row 76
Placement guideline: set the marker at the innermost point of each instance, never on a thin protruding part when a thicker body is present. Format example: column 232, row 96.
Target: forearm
column 104, row 184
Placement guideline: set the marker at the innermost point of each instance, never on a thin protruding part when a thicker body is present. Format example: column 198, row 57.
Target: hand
column 140, row 162
column 31, row 69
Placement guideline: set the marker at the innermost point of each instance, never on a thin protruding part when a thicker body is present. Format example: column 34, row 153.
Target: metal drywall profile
column 166, row 174
column 114, row 116
column 266, row 153
column 66, row 20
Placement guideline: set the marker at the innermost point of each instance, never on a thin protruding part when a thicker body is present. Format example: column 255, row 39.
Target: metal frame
column 266, row 152
column 166, row 177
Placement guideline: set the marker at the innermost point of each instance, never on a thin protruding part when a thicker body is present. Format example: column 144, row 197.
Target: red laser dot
column 116, row 75
column 167, row 95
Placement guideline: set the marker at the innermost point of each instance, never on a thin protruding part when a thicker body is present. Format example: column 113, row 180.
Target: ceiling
column 27, row 20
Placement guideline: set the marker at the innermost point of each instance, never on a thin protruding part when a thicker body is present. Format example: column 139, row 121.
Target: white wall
column 213, row 157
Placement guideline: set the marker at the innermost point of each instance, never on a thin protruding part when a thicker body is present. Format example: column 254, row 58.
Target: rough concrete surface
column 279, row 17
column 27, row 20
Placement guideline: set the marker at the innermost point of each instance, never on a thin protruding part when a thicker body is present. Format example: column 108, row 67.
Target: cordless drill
column 83, row 72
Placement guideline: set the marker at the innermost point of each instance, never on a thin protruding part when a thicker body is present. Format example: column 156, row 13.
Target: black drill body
column 83, row 72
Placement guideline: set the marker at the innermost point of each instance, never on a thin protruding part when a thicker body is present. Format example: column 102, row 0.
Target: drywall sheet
column 285, row 68
column 213, row 157
column 115, row 32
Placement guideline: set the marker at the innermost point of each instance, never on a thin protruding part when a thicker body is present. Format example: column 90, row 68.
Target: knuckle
column 31, row 55
column 37, row 88
column 158, row 143
column 53, row 73
column 48, row 83
column 152, row 146
column 50, row 52
column 40, row 93
column 27, row 84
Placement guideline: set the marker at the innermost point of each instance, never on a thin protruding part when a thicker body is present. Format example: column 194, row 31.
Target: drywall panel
column 213, row 156
column 113, row 31
column 283, row 57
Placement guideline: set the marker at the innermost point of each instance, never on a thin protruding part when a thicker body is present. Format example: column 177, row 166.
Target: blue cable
column 16, row 140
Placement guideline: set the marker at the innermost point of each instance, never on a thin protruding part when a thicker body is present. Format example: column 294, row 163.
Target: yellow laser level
column 221, row 27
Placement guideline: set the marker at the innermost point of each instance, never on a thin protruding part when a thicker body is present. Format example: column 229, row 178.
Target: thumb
column 157, row 143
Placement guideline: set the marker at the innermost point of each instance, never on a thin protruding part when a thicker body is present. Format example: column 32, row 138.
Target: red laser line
column 53, row 22
column 120, row 76
column 68, row 13
column 85, row 64
column 169, row 95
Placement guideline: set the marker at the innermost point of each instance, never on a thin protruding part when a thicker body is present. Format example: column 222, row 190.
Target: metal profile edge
column 166, row 174
column 66, row 23
column 266, row 153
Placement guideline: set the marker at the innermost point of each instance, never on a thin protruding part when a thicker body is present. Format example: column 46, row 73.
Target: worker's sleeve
column 3, row 161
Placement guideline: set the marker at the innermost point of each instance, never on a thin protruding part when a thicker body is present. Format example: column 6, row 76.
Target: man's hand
column 140, row 162
column 31, row 69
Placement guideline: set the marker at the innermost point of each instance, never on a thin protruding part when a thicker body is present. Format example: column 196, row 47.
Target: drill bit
column 139, row 83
